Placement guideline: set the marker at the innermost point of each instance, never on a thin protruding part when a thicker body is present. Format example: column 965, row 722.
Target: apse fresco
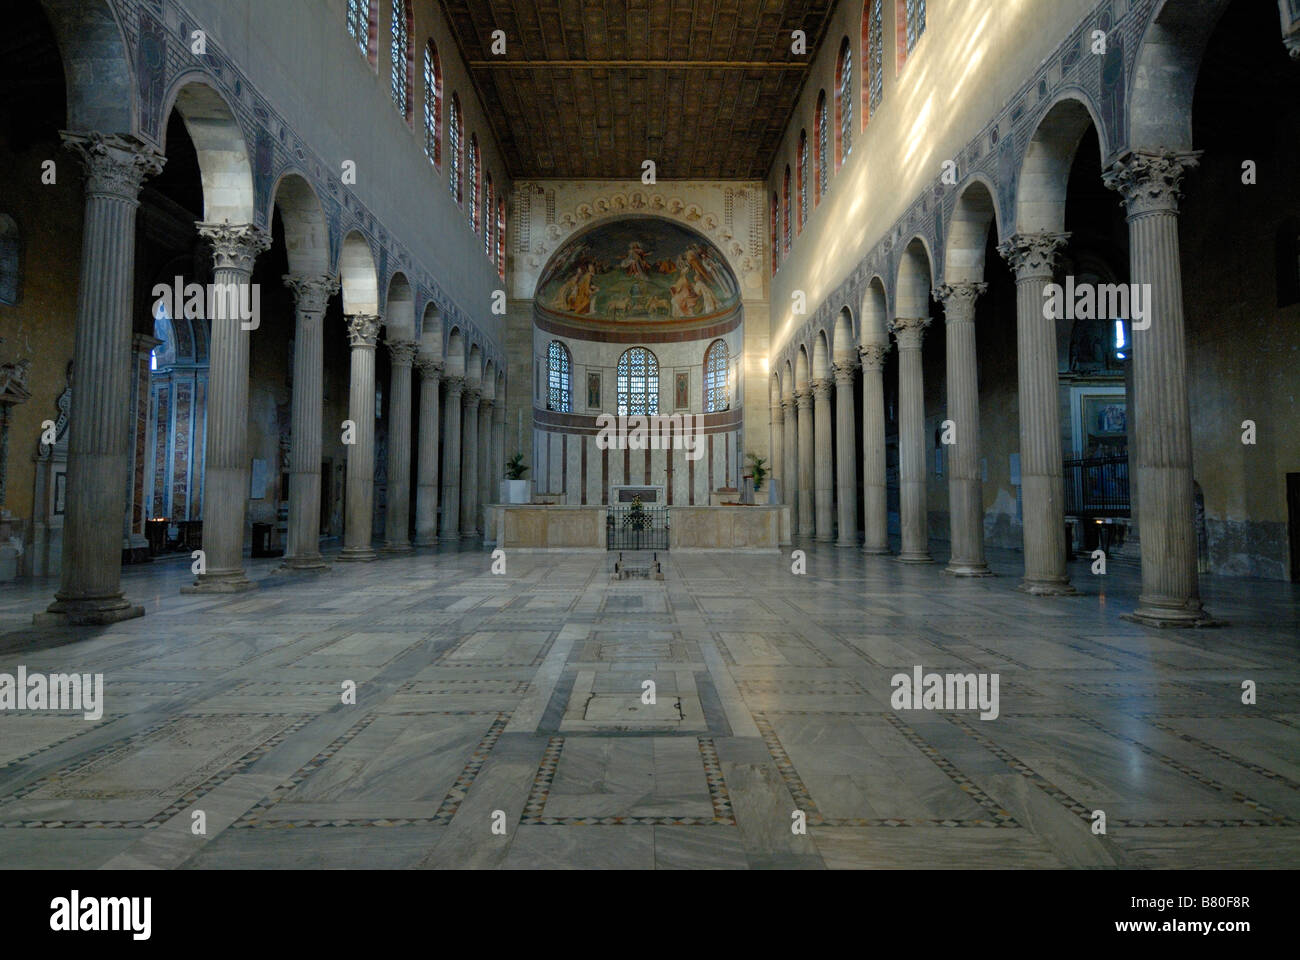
column 638, row 270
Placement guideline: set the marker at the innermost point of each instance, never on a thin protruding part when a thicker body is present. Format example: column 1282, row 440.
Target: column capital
column 235, row 245
column 1033, row 255
column 486, row 403
column 843, row 372
column 402, row 352
column 803, row 399
column 363, row 330
column 454, row 385
column 788, row 404
column 873, row 355
column 959, row 298
column 821, row 388
column 311, row 294
column 909, row 331
column 1151, row 181
column 428, row 366
column 471, row 398
column 777, row 411
column 115, row 165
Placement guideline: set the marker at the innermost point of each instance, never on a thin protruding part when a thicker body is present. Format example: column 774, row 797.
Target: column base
column 357, row 555
column 1171, row 614
column 396, row 548
column 449, row 538
column 876, row 551
column 425, row 540
column 1048, row 588
column 87, row 612
column 914, row 557
column 966, row 568
column 823, row 539
column 304, row 564
column 847, row 544
column 230, row 581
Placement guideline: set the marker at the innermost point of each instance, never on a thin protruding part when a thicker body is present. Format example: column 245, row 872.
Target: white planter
column 516, row 491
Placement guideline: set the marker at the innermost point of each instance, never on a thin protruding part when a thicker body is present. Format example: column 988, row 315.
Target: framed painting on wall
column 1105, row 424
column 593, row 391
column 682, row 392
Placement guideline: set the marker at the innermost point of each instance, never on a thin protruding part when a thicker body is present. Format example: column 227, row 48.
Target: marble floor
column 500, row 721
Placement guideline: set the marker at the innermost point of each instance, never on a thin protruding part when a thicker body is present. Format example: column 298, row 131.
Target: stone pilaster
column 90, row 591
column 498, row 449
column 875, row 502
column 807, row 518
column 451, row 437
column 1150, row 184
column 135, row 545
column 791, row 457
column 776, row 444
column 965, row 489
column 426, row 480
column 823, row 465
column 1033, row 257
column 469, row 464
column 913, row 515
column 486, row 464
column 363, row 333
column 397, row 519
column 225, row 475
column 311, row 297
column 846, row 456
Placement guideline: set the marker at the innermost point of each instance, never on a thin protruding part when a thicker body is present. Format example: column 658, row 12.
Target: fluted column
column 965, row 489
column 451, row 460
column 498, row 449
column 791, row 456
column 397, row 518
column 469, row 463
column 1150, row 184
column 486, row 408
column 823, row 465
column 91, row 588
column 363, row 333
column 426, row 479
column 135, row 545
column 225, row 473
column 875, row 501
column 1033, row 258
column 913, row 516
column 776, row 444
column 311, row 297
column 807, row 518
column 846, row 460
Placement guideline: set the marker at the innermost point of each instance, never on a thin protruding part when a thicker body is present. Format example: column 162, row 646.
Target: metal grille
column 876, row 56
column 823, row 145
column 432, row 105
column 846, row 101
column 558, row 382
column 715, row 377
column 400, row 56
column 915, row 22
column 359, row 23
column 638, row 382
column 453, row 144
column 803, row 179
column 637, row 527
column 1097, row 487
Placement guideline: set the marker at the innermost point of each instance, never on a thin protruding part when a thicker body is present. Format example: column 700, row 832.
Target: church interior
column 649, row 434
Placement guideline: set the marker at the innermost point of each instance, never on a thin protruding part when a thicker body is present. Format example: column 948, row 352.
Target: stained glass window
column 638, row 382
column 915, row 13
column 803, row 179
column 400, row 55
column 716, row 398
column 433, row 105
column 823, row 145
column 559, row 396
column 359, row 24
column 844, row 105
column 453, row 144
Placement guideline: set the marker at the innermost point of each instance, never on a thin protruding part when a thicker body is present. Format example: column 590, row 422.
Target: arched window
column 823, row 141
column 362, row 26
column 776, row 229
column 911, row 17
column 559, row 380
column 785, row 211
column 843, row 104
column 433, row 106
column 453, row 146
column 716, row 395
column 873, row 58
column 638, row 382
column 501, row 238
column 489, row 208
column 402, row 61
column 11, row 259
column 473, row 183
column 803, row 179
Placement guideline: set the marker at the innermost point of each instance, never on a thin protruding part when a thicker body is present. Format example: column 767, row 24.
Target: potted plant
column 757, row 471
column 636, row 517
column 514, row 488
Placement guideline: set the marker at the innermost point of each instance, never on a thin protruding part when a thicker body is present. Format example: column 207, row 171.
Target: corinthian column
column 791, row 457
column 311, row 297
column 397, row 520
column 135, row 545
column 469, row 463
column 225, row 473
column 807, row 519
column 363, row 332
column 91, row 588
column 913, row 516
column 776, row 443
column 426, row 480
column 965, row 490
column 846, row 461
column 451, row 460
column 824, row 500
column 1150, row 185
column 875, row 502
column 1033, row 258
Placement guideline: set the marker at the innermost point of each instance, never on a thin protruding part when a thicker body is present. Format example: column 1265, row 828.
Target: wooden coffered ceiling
column 590, row 89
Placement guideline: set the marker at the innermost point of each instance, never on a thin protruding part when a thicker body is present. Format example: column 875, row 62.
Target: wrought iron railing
column 636, row 527
column 1097, row 487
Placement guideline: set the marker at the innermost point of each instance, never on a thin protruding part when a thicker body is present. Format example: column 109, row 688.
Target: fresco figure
column 685, row 299
column 636, row 263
